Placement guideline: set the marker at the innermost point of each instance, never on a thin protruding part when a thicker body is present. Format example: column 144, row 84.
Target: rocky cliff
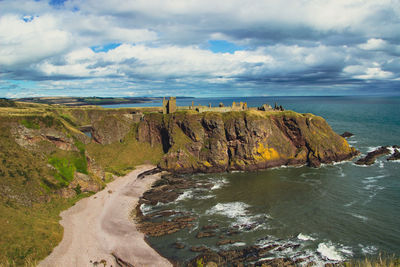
column 51, row 156
column 214, row 142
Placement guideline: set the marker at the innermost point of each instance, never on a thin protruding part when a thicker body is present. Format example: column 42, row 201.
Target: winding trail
column 100, row 226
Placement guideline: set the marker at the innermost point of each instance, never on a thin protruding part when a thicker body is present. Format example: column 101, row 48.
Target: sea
column 330, row 214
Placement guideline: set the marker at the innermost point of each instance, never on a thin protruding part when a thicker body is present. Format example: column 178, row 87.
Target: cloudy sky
column 199, row 47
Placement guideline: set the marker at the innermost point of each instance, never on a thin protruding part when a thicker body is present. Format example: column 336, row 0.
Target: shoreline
column 100, row 228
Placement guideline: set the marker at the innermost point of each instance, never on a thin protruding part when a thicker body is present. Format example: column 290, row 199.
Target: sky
column 200, row 48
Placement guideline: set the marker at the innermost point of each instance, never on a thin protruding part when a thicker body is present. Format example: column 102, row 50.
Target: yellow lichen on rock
column 346, row 146
column 266, row 153
column 207, row 164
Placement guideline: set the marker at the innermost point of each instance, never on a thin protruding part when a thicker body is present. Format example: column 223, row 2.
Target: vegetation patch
column 7, row 103
column 65, row 170
column 29, row 234
column 30, row 123
column 120, row 158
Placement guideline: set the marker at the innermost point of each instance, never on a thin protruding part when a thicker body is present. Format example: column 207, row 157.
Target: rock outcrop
column 215, row 142
column 346, row 134
column 395, row 155
column 370, row 158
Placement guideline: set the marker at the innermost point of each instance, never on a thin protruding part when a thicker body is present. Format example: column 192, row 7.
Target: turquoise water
column 332, row 213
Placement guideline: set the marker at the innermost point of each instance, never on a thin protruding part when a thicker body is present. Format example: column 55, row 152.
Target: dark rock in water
column 200, row 249
column 276, row 262
column 396, row 146
column 248, row 256
column 395, row 155
column 232, row 255
column 284, row 247
column 163, row 213
column 166, row 190
column 149, row 172
column 208, row 258
column 263, row 250
column 232, row 232
column 179, row 245
column 163, row 194
column 346, row 134
column 165, row 227
column 205, row 234
column 249, row 227
column 210, row 227
column 371, row 156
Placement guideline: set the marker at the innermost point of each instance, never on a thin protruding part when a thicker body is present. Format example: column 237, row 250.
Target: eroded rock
column 205, row 234
column 370, row 158
column 346, row 134
column 179, row 245
column 395, row 155
column 216, row 142
column 165, row 227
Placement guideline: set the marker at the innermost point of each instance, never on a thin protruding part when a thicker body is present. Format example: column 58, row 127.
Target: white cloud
column 373, row 72
column 165, row 41
column 374, row 44
column 28, row 42
column 172, row 62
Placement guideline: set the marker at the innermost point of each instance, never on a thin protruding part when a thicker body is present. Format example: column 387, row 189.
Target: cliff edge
column 245, row 140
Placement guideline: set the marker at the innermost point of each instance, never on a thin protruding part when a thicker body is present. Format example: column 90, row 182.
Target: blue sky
column 199, row 48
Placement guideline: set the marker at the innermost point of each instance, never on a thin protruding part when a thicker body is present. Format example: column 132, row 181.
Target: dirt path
column 99, row 226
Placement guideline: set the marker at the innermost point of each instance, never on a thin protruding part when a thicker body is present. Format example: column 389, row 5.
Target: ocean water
column 327, row 214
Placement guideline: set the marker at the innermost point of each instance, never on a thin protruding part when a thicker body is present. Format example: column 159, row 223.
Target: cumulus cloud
column 29, row 40
column 146, row 47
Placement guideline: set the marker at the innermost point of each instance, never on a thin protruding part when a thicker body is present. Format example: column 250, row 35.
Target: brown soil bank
column 215, row 142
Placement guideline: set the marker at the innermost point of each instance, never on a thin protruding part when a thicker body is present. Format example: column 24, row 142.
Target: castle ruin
column 169, row 106
column 241, row 106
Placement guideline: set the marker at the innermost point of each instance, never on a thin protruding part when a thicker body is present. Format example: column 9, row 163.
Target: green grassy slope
column 41, row 149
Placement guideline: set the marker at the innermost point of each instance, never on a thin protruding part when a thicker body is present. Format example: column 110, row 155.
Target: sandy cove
column 100, row 225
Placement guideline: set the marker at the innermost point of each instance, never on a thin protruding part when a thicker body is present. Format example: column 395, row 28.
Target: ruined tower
column 169, row 106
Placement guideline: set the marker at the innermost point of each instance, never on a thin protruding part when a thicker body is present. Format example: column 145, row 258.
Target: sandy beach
column 100, row 226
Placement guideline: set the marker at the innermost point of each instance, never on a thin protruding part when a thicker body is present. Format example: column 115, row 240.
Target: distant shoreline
column 89, row 101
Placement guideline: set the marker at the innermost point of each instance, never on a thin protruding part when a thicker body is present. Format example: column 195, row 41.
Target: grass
column 380, row 261
column 65, row 170
column 30, row 124
column 7, row 103
column 29, row 234
column 29, row 206
column 120, row 158
column 66, row 163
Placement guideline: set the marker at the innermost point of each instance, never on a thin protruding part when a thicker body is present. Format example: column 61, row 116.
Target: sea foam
column 328, row 251
column 358, row 216
column 305, row 237
column 231, row 209
column 238, row 211
column 368, row 249
column 219, row 184
column 185, row 195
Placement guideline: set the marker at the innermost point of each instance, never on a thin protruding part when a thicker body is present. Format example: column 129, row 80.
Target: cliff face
column 213, row 142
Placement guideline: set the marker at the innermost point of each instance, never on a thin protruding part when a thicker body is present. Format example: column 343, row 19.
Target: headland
column 54, row 155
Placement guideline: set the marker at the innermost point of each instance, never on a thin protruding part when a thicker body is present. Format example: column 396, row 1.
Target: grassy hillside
column 42, row 151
